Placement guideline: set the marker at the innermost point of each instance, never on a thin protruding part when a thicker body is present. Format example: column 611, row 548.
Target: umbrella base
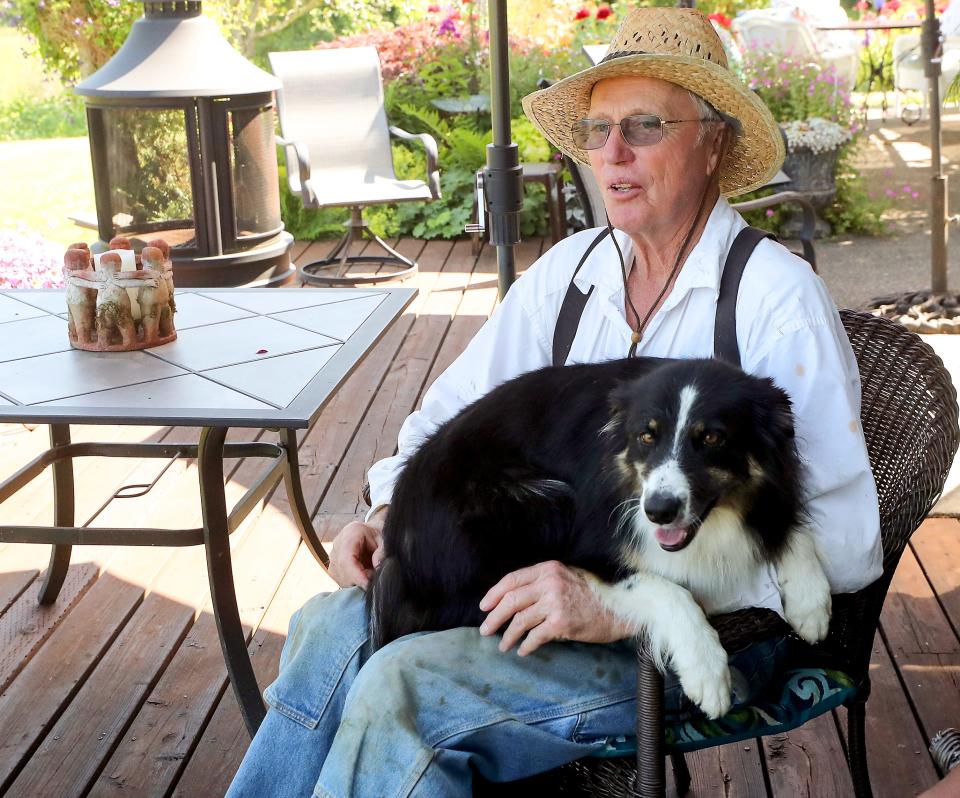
column 920, row 311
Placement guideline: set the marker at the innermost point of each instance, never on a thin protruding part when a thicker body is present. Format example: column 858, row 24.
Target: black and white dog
column 667, row 482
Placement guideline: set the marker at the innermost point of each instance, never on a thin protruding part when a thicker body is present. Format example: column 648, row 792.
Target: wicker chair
column 909, row 417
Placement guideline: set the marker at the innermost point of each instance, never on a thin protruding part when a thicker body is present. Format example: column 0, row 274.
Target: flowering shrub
column 593, row 26
column 813, row 105
column 403, row 47
column 29, row 261
column 816, row 134
column 797, row 88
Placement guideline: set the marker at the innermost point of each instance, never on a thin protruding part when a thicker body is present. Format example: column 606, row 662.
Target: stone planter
column 813, row 174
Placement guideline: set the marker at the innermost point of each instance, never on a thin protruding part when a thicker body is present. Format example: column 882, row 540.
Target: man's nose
column 662, row 508
column 615, row 148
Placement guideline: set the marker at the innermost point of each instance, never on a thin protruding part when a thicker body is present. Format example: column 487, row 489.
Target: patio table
column 250, row 358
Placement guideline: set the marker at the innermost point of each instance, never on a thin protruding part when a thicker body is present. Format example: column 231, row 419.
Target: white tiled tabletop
column 242, row 357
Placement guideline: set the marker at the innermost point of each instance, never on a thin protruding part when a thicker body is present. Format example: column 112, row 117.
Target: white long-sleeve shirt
column 787, row 329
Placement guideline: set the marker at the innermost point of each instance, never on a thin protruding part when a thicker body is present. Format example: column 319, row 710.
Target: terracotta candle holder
column 111, row 309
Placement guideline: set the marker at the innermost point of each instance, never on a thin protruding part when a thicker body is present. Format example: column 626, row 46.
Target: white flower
column 815, row 134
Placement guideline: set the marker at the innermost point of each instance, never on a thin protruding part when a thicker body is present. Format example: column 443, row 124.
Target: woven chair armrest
column 301, row 156
column 433, row 158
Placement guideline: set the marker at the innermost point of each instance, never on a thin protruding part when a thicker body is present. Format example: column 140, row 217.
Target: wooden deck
column 119, row 688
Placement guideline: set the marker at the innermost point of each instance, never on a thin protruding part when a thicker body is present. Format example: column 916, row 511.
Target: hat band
column 621, row 54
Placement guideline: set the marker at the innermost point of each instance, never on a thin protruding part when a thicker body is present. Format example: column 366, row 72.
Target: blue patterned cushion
column 798, row 696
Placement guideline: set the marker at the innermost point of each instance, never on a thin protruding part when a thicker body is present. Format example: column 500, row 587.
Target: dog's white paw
column 705, row 678
column 808, row 613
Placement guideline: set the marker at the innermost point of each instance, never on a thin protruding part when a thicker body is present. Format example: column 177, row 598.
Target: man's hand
column 548, row 601
column 357, row 550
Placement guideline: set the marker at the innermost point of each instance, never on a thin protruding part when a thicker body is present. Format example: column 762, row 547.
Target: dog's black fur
column 539, row 469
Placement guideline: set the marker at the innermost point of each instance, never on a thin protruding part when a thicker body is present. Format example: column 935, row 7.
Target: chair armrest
column 301, row 156
column 430, row 147
column 737, row 630
column 809, row 217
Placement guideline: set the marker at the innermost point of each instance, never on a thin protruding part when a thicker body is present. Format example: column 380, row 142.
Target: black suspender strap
column 572, row 309
column 725, row 327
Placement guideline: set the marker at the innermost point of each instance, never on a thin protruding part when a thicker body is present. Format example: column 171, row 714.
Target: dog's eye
column 712, row 438
column 647, row 438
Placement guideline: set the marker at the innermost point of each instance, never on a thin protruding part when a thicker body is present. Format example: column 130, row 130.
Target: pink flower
column 433, row 9
column 915, row 194
column 769, row 212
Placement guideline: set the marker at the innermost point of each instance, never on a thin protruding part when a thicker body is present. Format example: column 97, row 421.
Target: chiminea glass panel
column 253, row 164
column 149, row 176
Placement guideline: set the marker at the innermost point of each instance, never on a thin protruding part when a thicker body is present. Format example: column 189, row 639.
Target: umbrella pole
column 503, row 176
column 938, row 180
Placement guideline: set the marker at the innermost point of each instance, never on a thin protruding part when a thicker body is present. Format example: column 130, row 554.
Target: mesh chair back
column 332, row 101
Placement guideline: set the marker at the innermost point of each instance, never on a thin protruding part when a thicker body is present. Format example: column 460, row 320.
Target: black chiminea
column 181, row 134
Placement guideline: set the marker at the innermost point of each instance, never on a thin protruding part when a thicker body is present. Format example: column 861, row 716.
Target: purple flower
column 769, row 212
column 447, row 26
column 890, row 193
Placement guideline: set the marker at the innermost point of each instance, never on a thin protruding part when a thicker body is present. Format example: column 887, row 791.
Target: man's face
column 650, row 189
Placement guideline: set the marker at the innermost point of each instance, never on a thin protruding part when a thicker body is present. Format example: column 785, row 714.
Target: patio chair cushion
column 797, row 696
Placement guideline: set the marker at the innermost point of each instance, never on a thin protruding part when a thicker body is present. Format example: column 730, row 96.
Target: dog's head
column 694, row 435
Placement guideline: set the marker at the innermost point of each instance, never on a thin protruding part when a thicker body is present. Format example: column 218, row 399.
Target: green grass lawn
column 22, row 73
column 46, row 180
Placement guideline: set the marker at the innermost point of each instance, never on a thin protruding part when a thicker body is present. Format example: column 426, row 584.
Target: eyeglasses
column 638, row 130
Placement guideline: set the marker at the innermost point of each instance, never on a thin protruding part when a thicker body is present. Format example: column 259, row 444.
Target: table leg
column 63, row 512
column 222, row 593
column 301, row 513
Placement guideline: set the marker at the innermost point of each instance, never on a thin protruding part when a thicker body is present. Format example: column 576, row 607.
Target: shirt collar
column 702, row 268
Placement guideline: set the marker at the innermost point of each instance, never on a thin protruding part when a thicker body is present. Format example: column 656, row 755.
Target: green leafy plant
column 42, row 117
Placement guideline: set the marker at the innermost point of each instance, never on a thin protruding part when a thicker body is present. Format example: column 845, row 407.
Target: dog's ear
column 618, row 402
column 774, row 418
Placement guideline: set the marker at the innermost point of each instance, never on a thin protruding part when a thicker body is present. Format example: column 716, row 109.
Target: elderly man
column 668, row 132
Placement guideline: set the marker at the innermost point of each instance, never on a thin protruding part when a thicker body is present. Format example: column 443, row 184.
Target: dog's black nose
column 662, row 508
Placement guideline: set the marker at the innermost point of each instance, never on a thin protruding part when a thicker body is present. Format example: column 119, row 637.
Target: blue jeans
column 412, row 718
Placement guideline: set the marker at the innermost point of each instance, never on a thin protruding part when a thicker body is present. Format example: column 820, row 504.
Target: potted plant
column 813, row 147
column 812, row 104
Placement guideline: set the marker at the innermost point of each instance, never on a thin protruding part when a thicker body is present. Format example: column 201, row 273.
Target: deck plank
column 69, row 756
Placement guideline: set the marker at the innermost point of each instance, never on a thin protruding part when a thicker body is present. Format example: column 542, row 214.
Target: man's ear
column 718, row 149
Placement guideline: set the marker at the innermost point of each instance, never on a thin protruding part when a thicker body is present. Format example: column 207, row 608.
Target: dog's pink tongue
column 671, row 536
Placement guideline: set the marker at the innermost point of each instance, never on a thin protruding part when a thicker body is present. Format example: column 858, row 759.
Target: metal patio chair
column 336, row 141
column 909, row 418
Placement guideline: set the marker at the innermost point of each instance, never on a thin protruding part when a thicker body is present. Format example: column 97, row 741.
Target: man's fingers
column 522, row 623
column 537, row 637
column 508, row 606
column 511, row 581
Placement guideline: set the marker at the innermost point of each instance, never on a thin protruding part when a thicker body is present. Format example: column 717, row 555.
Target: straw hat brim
column 756, row 155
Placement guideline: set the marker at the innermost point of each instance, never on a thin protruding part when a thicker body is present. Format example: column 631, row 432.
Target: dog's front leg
column 679, row 634
column 804, row 588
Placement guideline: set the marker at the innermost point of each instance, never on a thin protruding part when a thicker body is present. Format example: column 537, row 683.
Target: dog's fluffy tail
column 392, row 606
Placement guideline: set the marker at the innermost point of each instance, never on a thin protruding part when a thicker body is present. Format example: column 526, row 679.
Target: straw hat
column 678, row 45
